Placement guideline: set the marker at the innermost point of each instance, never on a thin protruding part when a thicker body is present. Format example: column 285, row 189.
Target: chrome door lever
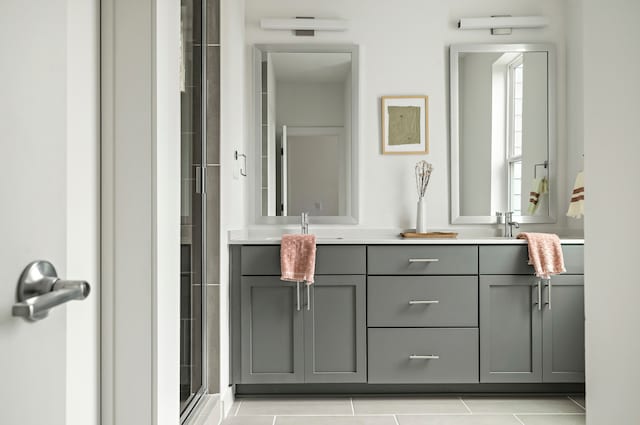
column 40, row 289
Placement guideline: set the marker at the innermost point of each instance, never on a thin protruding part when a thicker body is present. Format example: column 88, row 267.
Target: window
column 515, row 79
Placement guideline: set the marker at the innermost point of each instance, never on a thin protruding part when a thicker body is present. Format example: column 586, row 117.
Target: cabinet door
column 563, row 329
column 335, row 330
column 510, row 329
column 272, row 331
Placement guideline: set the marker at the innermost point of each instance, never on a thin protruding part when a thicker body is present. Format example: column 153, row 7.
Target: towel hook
column 243, row 172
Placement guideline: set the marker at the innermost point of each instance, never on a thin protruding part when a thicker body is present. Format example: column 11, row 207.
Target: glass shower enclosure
column 193, row 335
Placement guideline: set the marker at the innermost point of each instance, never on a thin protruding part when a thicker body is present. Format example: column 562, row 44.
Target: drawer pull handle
column 424, row 260
column 416, row 357
column 412, row 302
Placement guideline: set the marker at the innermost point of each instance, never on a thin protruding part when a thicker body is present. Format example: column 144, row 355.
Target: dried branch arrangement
column 423, row 174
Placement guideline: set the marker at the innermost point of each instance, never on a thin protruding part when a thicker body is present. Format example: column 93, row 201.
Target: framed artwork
column 405, row 125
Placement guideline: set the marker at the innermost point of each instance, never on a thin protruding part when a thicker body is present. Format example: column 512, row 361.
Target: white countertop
column 377, row 237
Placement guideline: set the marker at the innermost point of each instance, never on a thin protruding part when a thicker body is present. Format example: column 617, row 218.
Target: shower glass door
column 192, row 205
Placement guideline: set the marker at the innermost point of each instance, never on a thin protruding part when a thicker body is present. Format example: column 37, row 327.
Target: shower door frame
column 202, row 191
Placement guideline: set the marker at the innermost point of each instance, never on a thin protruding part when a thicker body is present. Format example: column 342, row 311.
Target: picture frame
column 405, row 125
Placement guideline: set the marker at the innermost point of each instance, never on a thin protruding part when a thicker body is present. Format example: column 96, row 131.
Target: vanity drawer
column 513, row 259
column 423, row 260
column 454, row 351
column 428, row 301
column 330, row 259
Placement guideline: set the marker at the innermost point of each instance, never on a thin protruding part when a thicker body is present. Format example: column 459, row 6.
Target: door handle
column 40, row 289
column 539, row 288
column 548, row 285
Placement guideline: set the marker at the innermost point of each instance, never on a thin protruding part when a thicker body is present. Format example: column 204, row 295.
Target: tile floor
column 429, row 410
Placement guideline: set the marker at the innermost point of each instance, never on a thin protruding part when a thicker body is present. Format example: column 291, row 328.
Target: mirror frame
column 256, row 181
column 454, row 51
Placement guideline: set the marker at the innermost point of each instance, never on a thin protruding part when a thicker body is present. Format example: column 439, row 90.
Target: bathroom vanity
column 392, row 315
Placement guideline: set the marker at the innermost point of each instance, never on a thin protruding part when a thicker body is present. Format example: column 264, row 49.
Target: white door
column 38, row 212
column 314, row 186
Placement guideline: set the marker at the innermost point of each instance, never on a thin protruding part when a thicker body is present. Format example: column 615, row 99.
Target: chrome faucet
column 304, row 223
column 509, row 224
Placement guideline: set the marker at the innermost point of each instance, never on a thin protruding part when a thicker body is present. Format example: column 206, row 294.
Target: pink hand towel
column 545, row 253
column 298, row 258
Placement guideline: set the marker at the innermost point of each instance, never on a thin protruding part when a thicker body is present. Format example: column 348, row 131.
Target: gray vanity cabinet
column 335, row 341
column 530, row 332
column 510, row 329
column 272, row 330
column 317, row 335
column 423, row 314
column 563, row 330
column 406, row 315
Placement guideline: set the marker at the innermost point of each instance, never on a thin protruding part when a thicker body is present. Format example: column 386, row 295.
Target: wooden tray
column 429, row 235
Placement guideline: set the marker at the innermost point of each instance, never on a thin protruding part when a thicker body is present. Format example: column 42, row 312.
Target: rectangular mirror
column 502, row 132
column 306, row 114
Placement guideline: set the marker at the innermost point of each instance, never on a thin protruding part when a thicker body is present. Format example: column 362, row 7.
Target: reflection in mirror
column 306, row 113
column 501, row 135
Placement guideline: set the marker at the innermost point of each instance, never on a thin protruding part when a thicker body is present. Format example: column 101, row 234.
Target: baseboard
column 248, row 390
column 227, row 399
column 207, row 412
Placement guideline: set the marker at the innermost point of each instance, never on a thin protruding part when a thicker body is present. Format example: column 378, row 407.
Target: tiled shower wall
column 213, row 193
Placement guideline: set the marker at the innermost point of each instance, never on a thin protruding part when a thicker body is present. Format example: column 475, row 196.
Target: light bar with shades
column 304, row 25
column 503, row 24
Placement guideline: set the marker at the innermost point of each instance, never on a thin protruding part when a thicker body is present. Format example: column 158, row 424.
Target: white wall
column 534, row 132
column 83, row 202
column 575, row 103
column 272, row 120
column 312, row 186
column 140, row 212
column 612, row 288
column 233, row 59
column 404, row 50
column 345, row 192
column 475, row 90
column 317, row 98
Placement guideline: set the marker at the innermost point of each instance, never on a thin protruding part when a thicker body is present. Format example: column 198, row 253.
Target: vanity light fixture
column 502, row 25
column 306, row 26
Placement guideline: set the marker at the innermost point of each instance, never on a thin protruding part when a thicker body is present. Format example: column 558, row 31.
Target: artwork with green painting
column 404, row 125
